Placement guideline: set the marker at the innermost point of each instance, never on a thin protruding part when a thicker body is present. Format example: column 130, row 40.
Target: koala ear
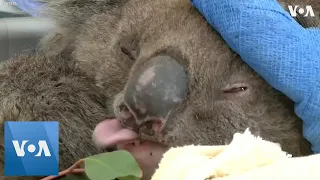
column 71, row 14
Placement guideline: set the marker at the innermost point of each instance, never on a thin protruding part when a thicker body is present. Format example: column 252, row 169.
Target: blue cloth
column 272, row 43
column 29, row 6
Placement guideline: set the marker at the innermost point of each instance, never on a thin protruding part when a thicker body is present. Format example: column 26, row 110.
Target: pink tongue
column 109, row 132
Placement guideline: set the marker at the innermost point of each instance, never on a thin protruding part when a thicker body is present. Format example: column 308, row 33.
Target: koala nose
column 155, row 89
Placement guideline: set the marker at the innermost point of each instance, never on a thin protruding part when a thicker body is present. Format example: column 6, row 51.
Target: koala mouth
column 148, row 154
column 110, row 132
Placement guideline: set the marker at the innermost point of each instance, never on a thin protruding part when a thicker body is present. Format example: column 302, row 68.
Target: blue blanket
column 271, row 42
column 29, row 6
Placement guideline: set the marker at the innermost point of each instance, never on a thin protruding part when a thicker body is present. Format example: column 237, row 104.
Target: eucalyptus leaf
column 128, row 178
column 112, row 165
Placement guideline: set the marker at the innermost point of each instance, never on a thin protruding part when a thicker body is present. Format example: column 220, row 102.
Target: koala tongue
column 110, row 132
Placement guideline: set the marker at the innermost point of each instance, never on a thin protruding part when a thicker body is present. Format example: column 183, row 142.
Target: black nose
column 156, row 88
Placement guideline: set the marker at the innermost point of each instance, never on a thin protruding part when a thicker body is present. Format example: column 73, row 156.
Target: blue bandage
column 271, row 42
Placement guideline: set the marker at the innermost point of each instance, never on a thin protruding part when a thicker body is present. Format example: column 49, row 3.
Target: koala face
column 171, row 78
column 179, row 82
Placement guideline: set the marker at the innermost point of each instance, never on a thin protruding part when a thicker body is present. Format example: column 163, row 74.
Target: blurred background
column 21, row 26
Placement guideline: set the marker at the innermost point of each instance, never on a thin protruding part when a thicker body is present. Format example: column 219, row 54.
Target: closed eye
column 235, row 88
column 127, row 53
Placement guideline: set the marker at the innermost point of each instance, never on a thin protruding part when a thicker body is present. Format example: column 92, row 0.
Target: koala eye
column 235, row 88
column 127, row 53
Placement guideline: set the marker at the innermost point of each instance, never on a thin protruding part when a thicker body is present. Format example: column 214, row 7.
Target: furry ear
column 69, row 16
column 55, row 42
column 72, row 14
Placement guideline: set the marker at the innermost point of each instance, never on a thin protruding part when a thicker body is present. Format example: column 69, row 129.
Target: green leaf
column 129, row 178
column 75, row 177
column 111, row 165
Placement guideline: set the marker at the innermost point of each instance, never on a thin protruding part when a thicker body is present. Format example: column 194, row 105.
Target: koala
column 167, row 78
column 40, row 88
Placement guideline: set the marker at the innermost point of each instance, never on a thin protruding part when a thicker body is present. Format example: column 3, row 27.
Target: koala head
column 179, row 83
column 173, row 79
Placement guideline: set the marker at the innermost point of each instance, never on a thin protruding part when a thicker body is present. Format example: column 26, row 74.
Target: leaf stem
column 74, row 169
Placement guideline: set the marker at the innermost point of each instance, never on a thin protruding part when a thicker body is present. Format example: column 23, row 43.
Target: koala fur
column 79, row 74
column 40, row 88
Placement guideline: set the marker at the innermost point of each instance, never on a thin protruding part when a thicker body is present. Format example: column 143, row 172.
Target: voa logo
column 31, row 148
column 305, row 11
column 42, row 147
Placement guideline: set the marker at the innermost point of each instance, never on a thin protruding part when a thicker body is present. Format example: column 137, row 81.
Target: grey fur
column 44, row 88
